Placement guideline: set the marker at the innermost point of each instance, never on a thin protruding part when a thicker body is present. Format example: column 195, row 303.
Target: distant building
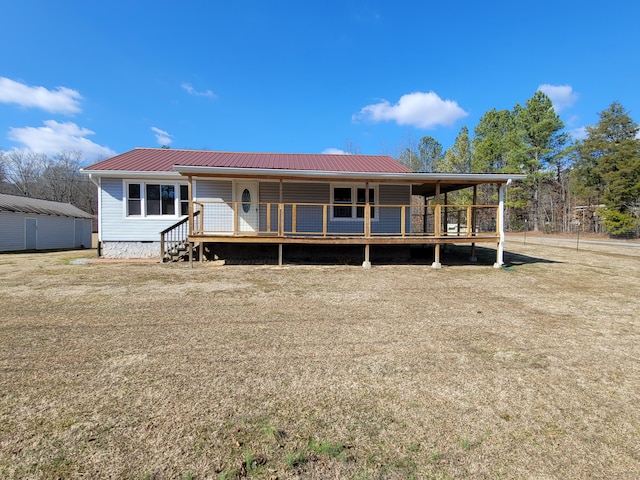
column 33, row 224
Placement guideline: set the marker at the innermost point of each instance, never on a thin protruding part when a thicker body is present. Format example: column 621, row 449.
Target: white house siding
column 129, row 237
column 217, row 218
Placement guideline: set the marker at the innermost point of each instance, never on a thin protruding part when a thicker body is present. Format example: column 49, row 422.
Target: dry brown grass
column 401, row 371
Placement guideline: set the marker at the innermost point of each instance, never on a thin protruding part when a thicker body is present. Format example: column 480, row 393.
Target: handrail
column 171, row 238
column 317, row 219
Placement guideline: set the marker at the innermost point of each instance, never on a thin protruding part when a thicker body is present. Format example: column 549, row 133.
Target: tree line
column 591, row 184
column 57, row 178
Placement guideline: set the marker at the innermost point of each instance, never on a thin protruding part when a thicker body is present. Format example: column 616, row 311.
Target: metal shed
column 34, row 224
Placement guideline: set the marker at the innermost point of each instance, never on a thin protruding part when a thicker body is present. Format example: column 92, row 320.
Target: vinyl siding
column 115, row 226
column 52, row 232
column 11, row 231
column 217, row 218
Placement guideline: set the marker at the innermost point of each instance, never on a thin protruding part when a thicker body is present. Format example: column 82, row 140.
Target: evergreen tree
column 608, row 166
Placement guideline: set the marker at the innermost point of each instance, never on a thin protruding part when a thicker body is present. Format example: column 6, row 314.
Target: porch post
column 190, row 193
column 437, row 225
column 500, row 228
column 472, row 223
column 367, row 226
column 280, row 221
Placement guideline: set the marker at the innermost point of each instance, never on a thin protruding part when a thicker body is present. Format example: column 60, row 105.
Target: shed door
column 79, row 233
column 247, row 198
column 31, row 233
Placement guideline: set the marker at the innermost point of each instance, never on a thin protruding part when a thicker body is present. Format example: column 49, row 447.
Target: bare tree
column 23, row 169
column 62, row 182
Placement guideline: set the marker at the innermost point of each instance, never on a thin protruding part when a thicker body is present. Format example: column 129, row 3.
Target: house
column 33, row 224
column 153, row 202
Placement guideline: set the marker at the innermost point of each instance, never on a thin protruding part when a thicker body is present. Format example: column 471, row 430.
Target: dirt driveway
column 401, row 371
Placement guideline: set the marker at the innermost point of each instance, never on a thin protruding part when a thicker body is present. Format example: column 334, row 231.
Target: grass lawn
column 152, row 371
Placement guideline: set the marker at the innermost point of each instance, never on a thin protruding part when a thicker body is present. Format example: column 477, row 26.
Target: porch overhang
column 421, row 183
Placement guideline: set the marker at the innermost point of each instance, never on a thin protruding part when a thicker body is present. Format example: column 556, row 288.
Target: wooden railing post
column 294, row 219
column 403, row 220
column 324, row 220
column 268, row 217
column 235, row 217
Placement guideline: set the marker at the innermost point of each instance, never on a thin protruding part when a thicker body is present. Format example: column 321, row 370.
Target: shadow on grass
column 460, row 255
column 451, row 255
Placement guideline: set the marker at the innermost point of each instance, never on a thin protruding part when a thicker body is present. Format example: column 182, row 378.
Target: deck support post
column 367, row 262
column 280, row 254
column 436, row 257
column 472, row 224
column 437, row 226
column 190, row 254
column 500, row 227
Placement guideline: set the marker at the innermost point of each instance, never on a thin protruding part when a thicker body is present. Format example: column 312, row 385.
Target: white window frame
column 178, row 200
column 354, row 205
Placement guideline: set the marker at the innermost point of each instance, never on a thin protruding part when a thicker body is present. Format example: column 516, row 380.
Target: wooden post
column 268, row 217
column 367, row 212
column 190, row 254
column 403, row 220
column 162, row 248
column 500, row 228
column 367, row 262
column 324, row 220
column 235, row 218
column 294, row 220
column 472, row 223
column 437, row 225
column 280, row 220
column 190, row 193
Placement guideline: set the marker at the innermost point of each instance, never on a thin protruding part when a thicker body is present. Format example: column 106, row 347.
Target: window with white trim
column 348, row 201
column 156, row 199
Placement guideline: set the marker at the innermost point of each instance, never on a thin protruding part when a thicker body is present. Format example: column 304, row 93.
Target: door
column 247, row 197
column 30, row 233
column 79, row 233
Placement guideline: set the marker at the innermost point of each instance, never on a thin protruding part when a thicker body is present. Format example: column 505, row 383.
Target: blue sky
column 301, row 76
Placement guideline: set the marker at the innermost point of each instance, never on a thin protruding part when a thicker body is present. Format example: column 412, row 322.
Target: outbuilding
column 34, row 224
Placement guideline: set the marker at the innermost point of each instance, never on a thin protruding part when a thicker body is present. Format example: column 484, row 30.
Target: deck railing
column 326, row 220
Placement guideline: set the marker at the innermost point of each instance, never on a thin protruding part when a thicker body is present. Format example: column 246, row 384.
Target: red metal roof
column 163, row 160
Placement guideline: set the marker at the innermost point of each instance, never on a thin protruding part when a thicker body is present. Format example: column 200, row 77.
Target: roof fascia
column 328, row 175
column 128, row 173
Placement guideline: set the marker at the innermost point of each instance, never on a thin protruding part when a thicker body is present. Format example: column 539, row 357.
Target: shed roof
column 164, row 159
column 15, row 204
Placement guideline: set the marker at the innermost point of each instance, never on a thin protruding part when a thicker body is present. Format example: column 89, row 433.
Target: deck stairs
column 173, row 242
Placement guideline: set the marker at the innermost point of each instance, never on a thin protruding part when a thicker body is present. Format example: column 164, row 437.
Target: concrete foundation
column 130, row 249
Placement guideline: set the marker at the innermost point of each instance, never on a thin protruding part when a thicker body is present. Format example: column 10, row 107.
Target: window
column 361, row 200
column 134, row 200
column 347, row 201
column 184, row 200
column 341, row 195
column 146, row 199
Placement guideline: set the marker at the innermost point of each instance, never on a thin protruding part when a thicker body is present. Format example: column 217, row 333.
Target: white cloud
column 57, row 137
column 334, row 151
column 579, row 133
column 418, row 109
column 59, row 100
column 192, row 91
column 162, row 137
column 562, row 96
